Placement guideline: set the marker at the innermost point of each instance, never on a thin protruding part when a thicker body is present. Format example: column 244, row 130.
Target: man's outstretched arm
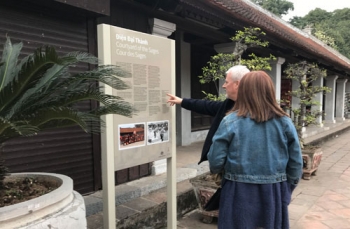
column 200, row 106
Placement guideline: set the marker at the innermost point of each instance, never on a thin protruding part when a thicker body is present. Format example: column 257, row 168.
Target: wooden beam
column 183, row 24
column 101, row 7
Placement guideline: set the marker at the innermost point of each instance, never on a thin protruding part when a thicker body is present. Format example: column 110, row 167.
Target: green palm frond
column 105, row 74
column 39, row 87
column 44, row 84
column 46, row 115
column 53, row 73
column 117, row 71
column 28, row 76
column 70, row 98
column 40, row 92
column 78, row 83
column 120, row 108
column 23, row 129
column 92, row 94
column 88, row 122
column 15, row 128
column 83, row 57
column 93, row 127
column 9, row 62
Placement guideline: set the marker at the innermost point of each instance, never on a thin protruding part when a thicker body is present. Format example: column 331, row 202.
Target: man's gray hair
column 237, row 72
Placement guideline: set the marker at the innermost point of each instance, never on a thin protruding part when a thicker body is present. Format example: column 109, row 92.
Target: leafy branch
column 218, row 64
column 305, row 74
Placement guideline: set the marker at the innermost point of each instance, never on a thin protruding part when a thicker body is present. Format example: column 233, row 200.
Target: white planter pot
column 61, row 208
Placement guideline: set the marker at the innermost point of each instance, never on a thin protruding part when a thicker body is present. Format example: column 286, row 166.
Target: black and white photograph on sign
column 158, row 132
column 131, row 135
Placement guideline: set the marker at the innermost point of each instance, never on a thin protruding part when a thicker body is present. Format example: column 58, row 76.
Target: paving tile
column 340, row 168
column 347, row 195
column 157, row 197
column 328, row 205
column 140, row 204
column 344, row 162
column 330, row 192
column 325, row 167
column 193, row 220
column 95, row 221
column 345, row 212
column 310, row 224
column 332, row 160
column 316, row 208
column 122, row 212
column 337, row 223
column 296, row 211
column 314, row 191
column 307, row 200
column 340, row 184
column 345, row 178
column 295, row 193
column 318, row 216
column 345, row 203
column 292, row 222
column 333, row 197
column 337, row 171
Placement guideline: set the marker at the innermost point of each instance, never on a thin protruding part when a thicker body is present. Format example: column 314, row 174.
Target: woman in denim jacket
column 257, row 147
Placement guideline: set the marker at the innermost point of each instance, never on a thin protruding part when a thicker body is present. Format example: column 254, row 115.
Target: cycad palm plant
column 38, row 92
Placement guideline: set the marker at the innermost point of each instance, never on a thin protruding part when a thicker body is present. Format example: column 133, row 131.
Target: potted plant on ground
column 37, row 93
column 308, row 110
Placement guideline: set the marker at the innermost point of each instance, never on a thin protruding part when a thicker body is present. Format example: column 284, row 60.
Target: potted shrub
column 305, row 114
column 37, row 93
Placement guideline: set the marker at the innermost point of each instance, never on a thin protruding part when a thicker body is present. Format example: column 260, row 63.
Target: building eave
column 247, row 13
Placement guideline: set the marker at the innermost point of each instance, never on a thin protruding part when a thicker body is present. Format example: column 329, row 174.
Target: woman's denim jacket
column 251, row 152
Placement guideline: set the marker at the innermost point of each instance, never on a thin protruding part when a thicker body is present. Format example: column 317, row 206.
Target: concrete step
column 313, row 130
column 329, row 132
column 148, row 211
column 143, row 199
column 138, row 188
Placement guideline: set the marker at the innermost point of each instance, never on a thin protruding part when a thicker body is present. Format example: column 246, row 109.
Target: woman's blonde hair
column 256, row 98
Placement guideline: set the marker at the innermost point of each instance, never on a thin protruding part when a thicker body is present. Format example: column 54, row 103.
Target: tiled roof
column 253, row 15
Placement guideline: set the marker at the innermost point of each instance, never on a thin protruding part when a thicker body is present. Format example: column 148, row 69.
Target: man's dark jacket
column 213, row 108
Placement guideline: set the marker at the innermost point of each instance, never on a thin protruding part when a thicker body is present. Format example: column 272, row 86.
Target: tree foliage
column 278, row 7
column 317, row 15
column 305, row 73
column 298, row 22
column 218, row 64
column 322, row 36
column 329, row 27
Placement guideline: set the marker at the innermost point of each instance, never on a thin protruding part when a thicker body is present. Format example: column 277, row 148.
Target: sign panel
column 149, row 61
